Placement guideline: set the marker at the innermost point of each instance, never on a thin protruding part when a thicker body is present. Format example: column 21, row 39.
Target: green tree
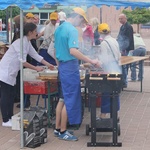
column 15, row 12
column 138, row 16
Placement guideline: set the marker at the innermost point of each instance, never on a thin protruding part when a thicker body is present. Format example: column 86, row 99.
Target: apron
column 70, row 81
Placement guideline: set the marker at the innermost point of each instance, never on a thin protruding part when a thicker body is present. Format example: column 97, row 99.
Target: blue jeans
column 125, row 70
column 125, row 73
column 106, row 101
column 141, row 51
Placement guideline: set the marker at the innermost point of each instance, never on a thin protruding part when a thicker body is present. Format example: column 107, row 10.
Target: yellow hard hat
column 29, row 15
column 54, row 16
column 103, row 28
column 81, row 12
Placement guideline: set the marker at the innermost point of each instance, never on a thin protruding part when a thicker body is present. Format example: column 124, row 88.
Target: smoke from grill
column 107, row 65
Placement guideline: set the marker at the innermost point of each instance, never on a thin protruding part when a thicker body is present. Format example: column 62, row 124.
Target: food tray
column 49, row 73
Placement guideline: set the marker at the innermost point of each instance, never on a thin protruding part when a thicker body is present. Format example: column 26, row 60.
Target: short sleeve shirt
column 66, row 37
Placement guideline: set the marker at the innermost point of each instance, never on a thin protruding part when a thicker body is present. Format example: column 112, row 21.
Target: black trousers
column 7, row 101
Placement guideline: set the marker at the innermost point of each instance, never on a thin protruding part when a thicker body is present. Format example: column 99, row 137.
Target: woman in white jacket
column 9, row 67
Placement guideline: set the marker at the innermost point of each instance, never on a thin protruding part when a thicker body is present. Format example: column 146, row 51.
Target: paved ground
column 134, row 120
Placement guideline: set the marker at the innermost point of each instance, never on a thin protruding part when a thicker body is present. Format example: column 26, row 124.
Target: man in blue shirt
column 67, row 54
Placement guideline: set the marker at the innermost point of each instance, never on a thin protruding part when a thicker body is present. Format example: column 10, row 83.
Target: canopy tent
column 26, row 4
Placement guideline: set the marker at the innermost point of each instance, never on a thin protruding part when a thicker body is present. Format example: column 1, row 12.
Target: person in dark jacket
column 126, row 42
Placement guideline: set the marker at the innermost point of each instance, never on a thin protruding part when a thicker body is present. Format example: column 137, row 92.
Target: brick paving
column 134, row 123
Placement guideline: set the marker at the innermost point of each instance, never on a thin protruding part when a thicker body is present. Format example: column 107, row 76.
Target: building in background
column 105, row 14
column 43, row 12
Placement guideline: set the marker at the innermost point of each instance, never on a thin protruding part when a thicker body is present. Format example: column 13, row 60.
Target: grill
column 102, row 82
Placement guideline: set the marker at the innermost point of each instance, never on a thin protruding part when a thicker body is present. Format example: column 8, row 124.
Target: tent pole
column 7, row 25
column 11, row 25
column 100, row 14
column 21, row 77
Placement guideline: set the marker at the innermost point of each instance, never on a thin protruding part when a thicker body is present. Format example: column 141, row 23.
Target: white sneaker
column 7, row 124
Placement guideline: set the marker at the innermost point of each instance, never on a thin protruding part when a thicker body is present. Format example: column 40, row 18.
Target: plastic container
column 39, row 87
column 30, row 75
column 16, row 121
column 35, row 87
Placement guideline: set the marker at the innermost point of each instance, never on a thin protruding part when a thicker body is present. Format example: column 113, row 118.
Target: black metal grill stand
column 101, row 84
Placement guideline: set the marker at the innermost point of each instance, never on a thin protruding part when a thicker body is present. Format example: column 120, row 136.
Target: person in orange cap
column 49, row 37
column 29, row 17
column 67, row 54
column 109, row 56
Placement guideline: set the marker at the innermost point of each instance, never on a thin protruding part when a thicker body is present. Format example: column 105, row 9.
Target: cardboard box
column 16, row 122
